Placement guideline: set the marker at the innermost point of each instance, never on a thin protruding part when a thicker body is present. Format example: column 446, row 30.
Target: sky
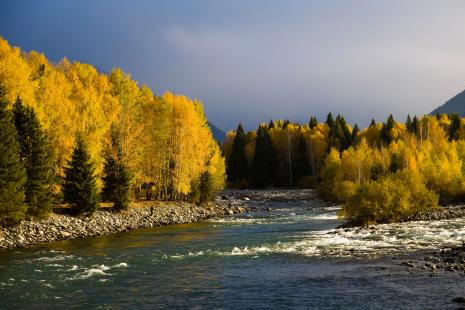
column 251, row 61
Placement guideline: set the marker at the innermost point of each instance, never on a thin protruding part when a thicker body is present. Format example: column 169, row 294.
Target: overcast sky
column 252, row 60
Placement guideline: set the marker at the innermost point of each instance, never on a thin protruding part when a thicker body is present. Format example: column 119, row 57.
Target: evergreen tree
column 373, row 123
column 36, row 158
column 300, row 164
column 408, row 123
column 330, row 121
column 346, row 135
column 263, row 163
column 386, row 131
column 12, row 172
column 116, row 180
column 355, row 132
column 80, row 189
column 237, row 163
column 415, row 127
column 313, row 122
column 454, row 126
column 271, row 124
column 207, row 192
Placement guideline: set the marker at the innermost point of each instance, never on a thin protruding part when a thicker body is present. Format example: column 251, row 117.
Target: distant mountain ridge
column 455, row 104
column 218, row 134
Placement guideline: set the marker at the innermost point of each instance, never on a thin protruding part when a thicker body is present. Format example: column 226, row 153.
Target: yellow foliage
column 164, row 141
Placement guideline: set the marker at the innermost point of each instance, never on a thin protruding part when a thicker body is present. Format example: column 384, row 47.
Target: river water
column 291, row 257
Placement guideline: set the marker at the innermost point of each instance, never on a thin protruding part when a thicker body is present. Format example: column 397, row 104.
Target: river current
column 291, row 257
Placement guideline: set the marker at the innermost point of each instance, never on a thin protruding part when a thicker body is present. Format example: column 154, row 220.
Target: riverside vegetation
column 70, row 134
column 387, row 172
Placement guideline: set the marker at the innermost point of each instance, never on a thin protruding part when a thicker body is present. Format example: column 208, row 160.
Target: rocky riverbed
column 105, row 221
column 448, row 259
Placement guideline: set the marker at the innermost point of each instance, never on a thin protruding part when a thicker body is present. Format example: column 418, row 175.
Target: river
column 291, row 257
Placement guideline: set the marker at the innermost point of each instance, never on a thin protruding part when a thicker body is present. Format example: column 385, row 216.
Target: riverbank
column 105, row 221
column 441, row 213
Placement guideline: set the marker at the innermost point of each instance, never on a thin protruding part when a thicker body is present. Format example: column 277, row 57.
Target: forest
column 71, row 134
column 383, row 173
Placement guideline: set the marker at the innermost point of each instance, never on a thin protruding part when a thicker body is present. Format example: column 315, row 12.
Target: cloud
column 256, row 60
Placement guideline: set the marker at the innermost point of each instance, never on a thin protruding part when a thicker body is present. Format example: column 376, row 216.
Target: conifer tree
column 36, row 158
column 12, row 172
column 454, row 126
column 206, row 187
column 263, row 159
column 313, row 122
column 386, row 131
column 80, row 189
column 237, row 164
column 372, row 123
column 330, row 121
column 271, row 124
column 355, row 132
column 415, row 127
column 408, row 123
column 300, row 164
column 116, row 180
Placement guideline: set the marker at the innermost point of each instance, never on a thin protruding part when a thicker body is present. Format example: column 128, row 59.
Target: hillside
column 454, row 105
column 218, row 134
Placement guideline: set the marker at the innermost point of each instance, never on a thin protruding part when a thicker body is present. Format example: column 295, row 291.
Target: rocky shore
column 274, row 195
column 105, row 221
column 442, row 213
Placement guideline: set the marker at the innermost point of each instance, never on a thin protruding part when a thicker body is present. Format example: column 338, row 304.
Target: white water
column 375, row 241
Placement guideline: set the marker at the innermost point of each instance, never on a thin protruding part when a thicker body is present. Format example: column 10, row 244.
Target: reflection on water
column 291, row 257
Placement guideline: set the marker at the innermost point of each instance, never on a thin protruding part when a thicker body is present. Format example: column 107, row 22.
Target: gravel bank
column 104, row 222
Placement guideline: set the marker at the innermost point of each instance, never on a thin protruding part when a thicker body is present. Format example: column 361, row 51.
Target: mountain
column 454, row 105
column 218, row 134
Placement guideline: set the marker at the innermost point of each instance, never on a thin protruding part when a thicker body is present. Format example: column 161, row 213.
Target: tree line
column 68, row 129
column 385, row 172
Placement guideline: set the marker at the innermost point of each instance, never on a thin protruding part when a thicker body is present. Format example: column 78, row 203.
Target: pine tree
column 207, row 192
column 386, row 131
column 345, row 136
column 313, row 122
column 12, row 172
column 237, row 163
column 300, row 164
column 408, row 123
column 271, row 124
column 415, row 128
column 330, row 121
column 80, row 188
column 454, row 126
column 373, row 123
column 36, row 158
column 355, row 132
column 263, row 159
column 116, row 180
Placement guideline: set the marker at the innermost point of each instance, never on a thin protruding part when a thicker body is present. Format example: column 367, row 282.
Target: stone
column 408, row 264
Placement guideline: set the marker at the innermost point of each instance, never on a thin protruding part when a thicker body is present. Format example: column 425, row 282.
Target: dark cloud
column 255, row 60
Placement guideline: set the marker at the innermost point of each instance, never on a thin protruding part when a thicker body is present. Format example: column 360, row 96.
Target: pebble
column 104, row 222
